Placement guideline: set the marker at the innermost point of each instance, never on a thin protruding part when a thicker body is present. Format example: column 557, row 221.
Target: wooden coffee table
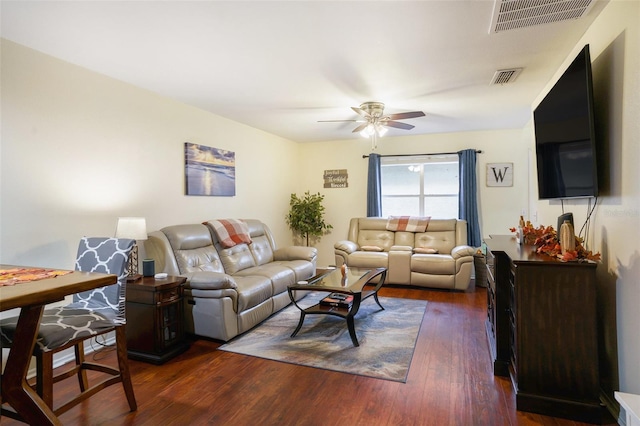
column 353, row 282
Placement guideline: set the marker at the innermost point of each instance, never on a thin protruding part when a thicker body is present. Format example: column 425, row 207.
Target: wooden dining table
column 31, row 297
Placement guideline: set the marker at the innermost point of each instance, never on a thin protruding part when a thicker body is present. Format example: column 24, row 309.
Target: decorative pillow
column 425, row 250
column 408, row 223
column 231, row 232
column 371, row 248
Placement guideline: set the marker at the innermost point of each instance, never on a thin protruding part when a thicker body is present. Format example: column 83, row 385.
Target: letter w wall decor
column 500, row 174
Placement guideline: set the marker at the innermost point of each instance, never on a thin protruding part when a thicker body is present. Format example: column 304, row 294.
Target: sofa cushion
column 200, row 259
column 252, row 291
column 368, row 259
column 280, row 275
column 371, row 248
column 403, row 238
column 261, row 250
column 373, row 237
column 443, row 241
column 433, row 264
column 302, row 269
column 230, row 231
column 192, row 248
column 236, row 258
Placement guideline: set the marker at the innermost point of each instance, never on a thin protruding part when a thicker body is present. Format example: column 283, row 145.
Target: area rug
column 387, row 338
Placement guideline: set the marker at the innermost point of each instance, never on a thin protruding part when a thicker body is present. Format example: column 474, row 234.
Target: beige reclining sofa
column 231, row 285
column 438, row 257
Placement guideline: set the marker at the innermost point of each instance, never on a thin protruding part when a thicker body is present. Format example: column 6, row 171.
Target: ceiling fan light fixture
column 368, row 131
column 373, row 129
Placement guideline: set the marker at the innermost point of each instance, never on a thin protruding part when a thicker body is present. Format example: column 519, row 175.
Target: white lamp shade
column 134, row 228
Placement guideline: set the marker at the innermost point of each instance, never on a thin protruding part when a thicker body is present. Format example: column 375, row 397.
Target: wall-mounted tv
column 565, row 135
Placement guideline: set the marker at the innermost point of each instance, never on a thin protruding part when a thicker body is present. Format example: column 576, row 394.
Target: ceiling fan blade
column 404, row 115
column 360, row 128
column 397, row 125
column 361, row 112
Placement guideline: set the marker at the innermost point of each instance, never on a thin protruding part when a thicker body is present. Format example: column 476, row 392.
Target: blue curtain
column 468, row 201
column 374, row 187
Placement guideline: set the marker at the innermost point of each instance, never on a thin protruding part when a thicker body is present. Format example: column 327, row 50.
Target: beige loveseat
column 410, row 256
column 229, row 289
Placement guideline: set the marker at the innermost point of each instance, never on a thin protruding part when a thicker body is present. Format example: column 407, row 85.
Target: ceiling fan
column 375, row 122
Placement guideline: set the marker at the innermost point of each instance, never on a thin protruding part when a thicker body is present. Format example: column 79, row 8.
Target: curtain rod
column 478, row 151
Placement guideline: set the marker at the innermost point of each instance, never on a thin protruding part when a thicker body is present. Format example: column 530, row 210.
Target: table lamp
column 134, row 228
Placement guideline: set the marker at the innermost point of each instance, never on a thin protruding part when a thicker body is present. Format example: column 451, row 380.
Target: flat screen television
column 565, row 135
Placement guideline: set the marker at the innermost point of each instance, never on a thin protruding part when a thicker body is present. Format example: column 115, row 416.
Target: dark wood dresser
column 542, row 331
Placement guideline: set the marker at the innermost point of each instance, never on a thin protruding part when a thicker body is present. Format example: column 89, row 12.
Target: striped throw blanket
column 231, row 232
column 408, row 223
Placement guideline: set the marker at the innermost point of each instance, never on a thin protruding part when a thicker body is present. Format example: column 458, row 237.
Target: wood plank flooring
column 450, row 382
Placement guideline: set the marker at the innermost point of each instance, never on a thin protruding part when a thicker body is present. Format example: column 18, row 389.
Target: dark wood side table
column 155, row 325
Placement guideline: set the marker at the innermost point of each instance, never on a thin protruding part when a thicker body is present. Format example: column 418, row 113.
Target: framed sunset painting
column 209, row 171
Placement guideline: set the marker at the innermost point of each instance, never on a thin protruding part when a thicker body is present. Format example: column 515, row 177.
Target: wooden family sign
column 336, row 178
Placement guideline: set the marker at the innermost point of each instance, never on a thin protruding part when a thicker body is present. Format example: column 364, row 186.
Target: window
column 420, row 186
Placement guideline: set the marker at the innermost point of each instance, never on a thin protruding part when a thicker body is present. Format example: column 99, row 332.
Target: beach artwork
column 209, row 171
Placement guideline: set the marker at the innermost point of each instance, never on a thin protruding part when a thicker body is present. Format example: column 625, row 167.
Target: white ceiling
column 281, row 66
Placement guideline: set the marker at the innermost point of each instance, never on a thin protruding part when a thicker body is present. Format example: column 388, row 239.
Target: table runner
column 14, row 276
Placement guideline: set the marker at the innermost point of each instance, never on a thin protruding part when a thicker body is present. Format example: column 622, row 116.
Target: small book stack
column 338, row 300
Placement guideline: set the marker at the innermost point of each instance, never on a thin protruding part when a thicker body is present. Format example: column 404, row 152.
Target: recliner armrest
column 296, row 253
column 462, row 251
column 346, row 246
column 207, row 280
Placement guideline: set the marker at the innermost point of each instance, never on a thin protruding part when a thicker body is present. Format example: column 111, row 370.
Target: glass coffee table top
column 330, row 279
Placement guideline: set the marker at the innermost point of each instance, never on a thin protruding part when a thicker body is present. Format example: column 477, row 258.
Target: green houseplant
column 306, row 216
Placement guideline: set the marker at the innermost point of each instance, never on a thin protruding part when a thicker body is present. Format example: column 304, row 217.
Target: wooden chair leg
column 44, row 377
column 82, row 373
column 123, row 363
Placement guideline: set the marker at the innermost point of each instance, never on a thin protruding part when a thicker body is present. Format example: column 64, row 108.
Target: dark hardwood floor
column 450, row 383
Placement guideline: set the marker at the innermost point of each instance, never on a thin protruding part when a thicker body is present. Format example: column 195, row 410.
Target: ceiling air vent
column 514, row 14
column 505, row 76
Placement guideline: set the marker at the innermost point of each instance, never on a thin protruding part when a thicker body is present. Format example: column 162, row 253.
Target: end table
column 155, row 327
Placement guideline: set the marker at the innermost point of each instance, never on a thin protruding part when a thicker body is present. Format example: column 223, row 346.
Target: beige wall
column 80, row 149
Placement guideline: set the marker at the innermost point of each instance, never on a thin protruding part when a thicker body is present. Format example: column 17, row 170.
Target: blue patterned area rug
column 387, row 338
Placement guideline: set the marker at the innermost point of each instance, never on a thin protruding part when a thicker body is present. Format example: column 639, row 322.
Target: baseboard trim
column 612, row 406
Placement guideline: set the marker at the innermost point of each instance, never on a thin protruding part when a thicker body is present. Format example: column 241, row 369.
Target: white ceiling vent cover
column 514, row 14
column 505, row 76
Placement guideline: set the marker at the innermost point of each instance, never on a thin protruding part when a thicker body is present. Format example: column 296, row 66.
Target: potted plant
column 306, row 216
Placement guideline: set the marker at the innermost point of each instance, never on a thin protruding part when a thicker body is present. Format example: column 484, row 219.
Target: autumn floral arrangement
column 545, row 238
